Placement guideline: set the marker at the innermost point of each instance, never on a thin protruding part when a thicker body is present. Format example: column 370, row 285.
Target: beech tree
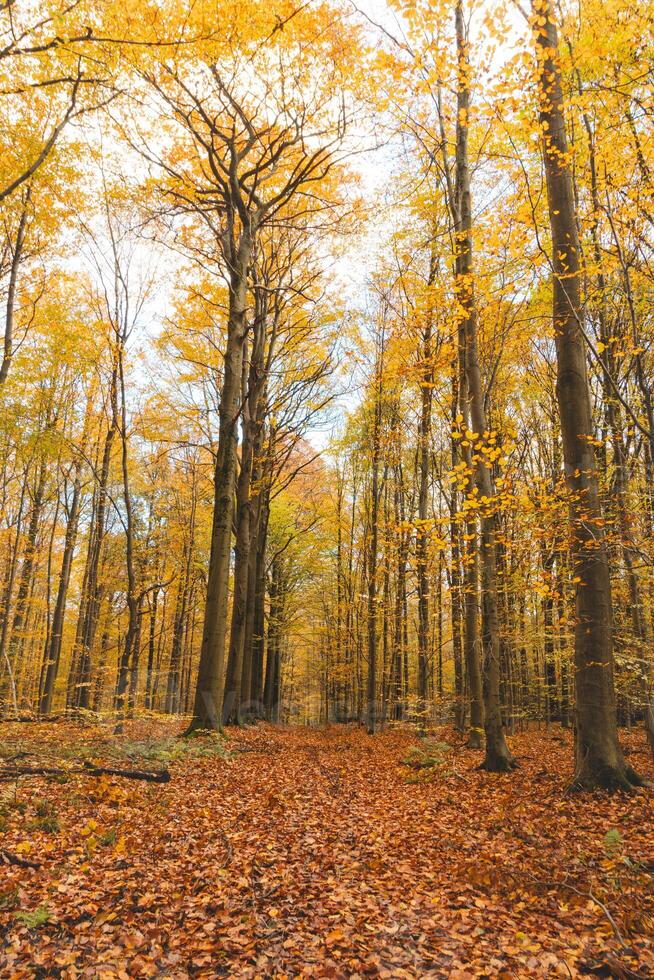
column 374, row 444
column 599, row 759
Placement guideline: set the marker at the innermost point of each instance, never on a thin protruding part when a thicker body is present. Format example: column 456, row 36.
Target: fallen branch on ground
column 88, row 769
column 8, row 857
column 33, row 719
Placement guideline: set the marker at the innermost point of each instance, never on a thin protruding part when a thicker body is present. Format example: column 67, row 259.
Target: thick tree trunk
column 207, row 709
column 239, row 665
column 599, row 758
column 252, row 682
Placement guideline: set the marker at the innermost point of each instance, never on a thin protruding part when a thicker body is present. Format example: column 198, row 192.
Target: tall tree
column 498, row 758
column 599, row 758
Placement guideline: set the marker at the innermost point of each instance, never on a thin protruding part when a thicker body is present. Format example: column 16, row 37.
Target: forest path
column 317, row 853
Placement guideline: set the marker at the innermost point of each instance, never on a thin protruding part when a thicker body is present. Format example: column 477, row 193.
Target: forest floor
column 317, row 853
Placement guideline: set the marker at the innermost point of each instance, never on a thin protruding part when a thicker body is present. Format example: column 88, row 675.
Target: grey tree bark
column 599, row 758
column 498, row 757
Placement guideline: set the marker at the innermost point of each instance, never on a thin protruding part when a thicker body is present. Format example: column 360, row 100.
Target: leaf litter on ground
column 292, row 852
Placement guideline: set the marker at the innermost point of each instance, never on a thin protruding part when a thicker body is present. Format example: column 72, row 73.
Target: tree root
column 501, row 764
column 198, row 729
column 613, row 779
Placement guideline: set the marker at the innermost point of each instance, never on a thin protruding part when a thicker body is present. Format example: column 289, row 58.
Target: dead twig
column 587, row 895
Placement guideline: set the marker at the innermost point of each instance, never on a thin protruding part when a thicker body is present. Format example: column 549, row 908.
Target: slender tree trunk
column 5, row 663
column 98, row 684
column 8, row 346
column 339, row 644
column 397, row 689
column 174, row 678
column 498, row 757
column 234, row 676
column 18, row 627
column 249, row 705
column 422, row 535
column 128, row 666
column 189, row 647
column 371, row 684
column 461, row 597
column 273, row 665
column 80, row 671
column 135, row 663
column 259, row 604
column 152, row 646
column 386, row 593
column 53, row 647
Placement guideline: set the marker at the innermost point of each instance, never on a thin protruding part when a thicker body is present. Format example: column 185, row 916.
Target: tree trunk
column 371, row 683
column 174, row 678
column 152, row 646
column 8, row 346
column 275, row 616
column 422, row 536
column 80, row 670
column 465, row 583
column 599, row 758
column 19, row 622
column 259, row 605
column 207, row 709
column 53, row 648
column 498, row 757
column 5, row 663
column 127, row 672
column 239, row 664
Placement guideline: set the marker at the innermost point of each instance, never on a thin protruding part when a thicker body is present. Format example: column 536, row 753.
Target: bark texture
column 599, row 758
